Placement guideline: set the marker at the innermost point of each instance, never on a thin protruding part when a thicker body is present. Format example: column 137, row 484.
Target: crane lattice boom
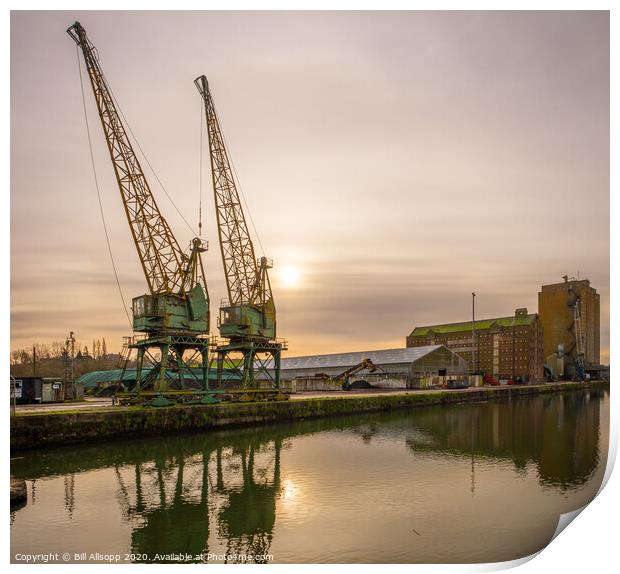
column 240, row 267
column 248, row 319
column 175, row 316
column 162, row 259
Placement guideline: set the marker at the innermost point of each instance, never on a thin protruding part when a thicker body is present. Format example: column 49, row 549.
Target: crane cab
column 237, row 321
column 187, row 313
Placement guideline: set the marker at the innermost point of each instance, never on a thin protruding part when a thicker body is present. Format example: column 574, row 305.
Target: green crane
column 248, row 318
column 173, row 317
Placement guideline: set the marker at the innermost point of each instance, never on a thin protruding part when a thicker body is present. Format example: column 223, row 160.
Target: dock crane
column 248, row 318
column 173, row 317
column 574, row 301
column 580, row 342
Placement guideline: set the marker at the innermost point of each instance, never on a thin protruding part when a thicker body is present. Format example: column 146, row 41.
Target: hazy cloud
column 398, row 160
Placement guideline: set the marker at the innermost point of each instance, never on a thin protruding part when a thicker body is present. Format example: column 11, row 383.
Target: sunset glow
column 289, row 277
column 374, row 158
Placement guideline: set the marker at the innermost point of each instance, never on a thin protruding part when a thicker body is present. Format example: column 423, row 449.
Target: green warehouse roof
column 521, row 317
column 92, row 379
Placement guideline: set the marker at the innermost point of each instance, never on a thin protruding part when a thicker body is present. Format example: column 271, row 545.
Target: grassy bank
column 35, row 430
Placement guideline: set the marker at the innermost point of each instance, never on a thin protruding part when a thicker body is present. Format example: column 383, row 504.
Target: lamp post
column 70, row 349
column 473, row 331
column 513, row 350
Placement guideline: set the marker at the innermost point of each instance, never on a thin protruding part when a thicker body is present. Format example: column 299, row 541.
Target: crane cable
column 202, row 127
column 92, row 161
column 232, row 165
column 146, row 159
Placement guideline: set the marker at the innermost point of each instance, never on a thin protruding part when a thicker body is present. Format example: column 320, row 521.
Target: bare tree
column 57, row 349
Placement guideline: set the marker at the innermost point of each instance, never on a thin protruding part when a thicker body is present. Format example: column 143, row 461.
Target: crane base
column 249, row 361
column 171, row 356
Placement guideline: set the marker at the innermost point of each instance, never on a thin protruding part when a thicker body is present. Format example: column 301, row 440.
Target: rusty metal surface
column 166, row 268
column 248, row 318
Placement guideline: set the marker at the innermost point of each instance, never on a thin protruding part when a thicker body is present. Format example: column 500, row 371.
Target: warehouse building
column 108, row 382
column 396, row 368
column 506, row 347
column 557, row 308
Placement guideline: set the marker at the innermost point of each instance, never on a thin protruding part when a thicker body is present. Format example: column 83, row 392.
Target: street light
column 70, row 349
column 473, row 331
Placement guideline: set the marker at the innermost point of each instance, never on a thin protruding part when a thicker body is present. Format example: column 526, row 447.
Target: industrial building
column 505, row 347
column 570, row 315
column 396, row 368
column 36, row 390
column 188, row 378
column 391, row 368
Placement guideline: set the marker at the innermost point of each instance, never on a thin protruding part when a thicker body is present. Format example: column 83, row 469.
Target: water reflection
column 559, row 432
column 168, row 498
column 220, row 492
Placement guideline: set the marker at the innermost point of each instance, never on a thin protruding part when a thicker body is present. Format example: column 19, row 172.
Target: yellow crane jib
column 248, row 318
column 175, row 313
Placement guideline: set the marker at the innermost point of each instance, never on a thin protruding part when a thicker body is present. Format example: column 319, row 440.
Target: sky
column 392, row 163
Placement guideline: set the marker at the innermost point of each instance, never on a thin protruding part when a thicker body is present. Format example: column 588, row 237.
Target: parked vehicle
column 490, row 380
column 458, row 384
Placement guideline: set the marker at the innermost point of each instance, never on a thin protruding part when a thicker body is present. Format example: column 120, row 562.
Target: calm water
column 472, row 483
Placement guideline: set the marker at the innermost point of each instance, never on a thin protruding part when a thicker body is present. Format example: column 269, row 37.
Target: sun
column 289, row 276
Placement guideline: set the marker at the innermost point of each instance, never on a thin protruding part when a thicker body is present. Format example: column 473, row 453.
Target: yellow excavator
column 343, row 378
column 365, row 364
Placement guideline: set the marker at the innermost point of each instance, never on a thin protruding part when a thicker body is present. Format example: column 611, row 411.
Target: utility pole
column 513, row 350
column 34, row 360
column 13, row 394
column 70, row 347
column 473, row 331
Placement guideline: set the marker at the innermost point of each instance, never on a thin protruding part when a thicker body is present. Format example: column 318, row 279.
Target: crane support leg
column 248, row 362
column 190, row 361
column 160, row 384
column 220, row 368
column 139, row 369
column 248, row 368
column 277, row 356
column 205, row 370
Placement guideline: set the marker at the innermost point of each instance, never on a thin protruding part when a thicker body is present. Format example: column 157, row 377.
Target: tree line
column 53, row 359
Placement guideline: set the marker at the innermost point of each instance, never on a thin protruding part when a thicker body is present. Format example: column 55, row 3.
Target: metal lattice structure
column 248, row 318
column 175, row 315
column 161, row 257
column 236, row 246
column 580, row 343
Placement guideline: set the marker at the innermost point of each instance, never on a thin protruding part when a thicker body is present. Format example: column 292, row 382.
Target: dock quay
column 19, row 492
column 35, row 429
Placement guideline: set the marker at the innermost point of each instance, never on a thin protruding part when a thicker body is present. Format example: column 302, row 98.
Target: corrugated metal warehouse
column 192, row 378
column 412, row 367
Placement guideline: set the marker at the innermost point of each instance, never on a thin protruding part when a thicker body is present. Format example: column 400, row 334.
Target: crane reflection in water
column 171, row 500
column 223, row 493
